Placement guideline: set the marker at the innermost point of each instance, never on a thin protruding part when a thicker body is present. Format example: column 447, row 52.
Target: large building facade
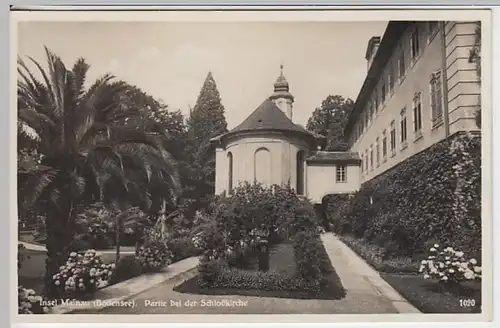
column 420, row 88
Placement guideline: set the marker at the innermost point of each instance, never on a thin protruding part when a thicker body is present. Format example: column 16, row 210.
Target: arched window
column 300, row 172
column 230, row 172
column 262, row 164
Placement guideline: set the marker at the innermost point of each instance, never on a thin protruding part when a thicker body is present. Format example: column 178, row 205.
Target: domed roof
column 281, row 83
column 268, row 117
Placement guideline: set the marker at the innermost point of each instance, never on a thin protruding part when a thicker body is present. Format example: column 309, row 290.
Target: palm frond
column 80, row 70
column 36, row 184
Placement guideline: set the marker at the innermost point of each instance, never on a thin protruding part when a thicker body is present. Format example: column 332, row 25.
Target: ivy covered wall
column 433, row 196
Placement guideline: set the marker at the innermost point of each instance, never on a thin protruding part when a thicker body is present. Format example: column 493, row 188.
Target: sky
column 170, row 60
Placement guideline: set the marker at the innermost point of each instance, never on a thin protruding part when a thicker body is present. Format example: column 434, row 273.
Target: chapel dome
column 281, row 83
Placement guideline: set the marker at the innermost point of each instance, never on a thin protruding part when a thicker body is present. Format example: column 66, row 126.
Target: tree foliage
column 206, row 121
column 330, row 119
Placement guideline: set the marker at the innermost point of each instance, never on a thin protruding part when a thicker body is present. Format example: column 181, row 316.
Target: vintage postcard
column 293, row 166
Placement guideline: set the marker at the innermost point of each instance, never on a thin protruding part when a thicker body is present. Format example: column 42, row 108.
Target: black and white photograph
column 246, row 163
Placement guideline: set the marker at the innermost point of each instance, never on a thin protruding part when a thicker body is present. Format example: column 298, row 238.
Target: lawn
column 431, row 297
column 282, row 264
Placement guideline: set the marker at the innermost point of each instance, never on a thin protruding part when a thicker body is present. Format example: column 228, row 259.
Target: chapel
column 268, row 147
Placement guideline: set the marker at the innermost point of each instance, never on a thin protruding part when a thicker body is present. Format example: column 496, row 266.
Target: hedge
column 433, row 196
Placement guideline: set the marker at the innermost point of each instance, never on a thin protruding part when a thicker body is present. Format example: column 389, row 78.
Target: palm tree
column 93, row 147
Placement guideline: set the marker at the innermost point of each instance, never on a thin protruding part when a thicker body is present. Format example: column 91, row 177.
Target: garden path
column 41, row 248
column 367, row 293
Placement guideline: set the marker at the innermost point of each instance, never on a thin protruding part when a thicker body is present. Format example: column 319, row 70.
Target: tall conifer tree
column 206, row 121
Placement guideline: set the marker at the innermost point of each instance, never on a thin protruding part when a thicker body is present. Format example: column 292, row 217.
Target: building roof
column 388, row 43
column 333, row 156
column 268, row 117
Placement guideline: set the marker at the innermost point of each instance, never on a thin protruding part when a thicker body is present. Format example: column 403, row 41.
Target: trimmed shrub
column 307, row 251
column 433, row 195
column 334, row 207
column 126, row 268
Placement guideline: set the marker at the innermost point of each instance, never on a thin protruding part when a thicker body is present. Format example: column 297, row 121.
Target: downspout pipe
column 444, row 74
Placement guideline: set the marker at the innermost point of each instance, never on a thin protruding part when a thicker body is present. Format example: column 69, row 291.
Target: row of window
column 436, row 103
column 397, row 70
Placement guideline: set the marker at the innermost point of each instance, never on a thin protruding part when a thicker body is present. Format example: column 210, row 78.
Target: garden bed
column 372, row 254
column 430, row 297
column 280, row 281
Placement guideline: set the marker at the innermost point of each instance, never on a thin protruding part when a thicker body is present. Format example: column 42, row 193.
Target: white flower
column 433, row 249
column 469, row 275
column 477, row 269
column 426, row 276
column 57, row 282
column 436, row 245
column 473, row 261
column 424, row 262
column 459, row 254
column 441, row 265
column 447, row 262
column 451, row 271
column 444, row 278
column 447, row 258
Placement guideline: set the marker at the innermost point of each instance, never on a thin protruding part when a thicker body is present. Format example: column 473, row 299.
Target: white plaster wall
column 220, row 170
column 280, row 161
column 321, row 181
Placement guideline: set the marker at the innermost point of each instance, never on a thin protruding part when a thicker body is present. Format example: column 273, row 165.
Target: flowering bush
column 82, row 274
column 154, row 256
column 30, row 303
column 449, row 266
